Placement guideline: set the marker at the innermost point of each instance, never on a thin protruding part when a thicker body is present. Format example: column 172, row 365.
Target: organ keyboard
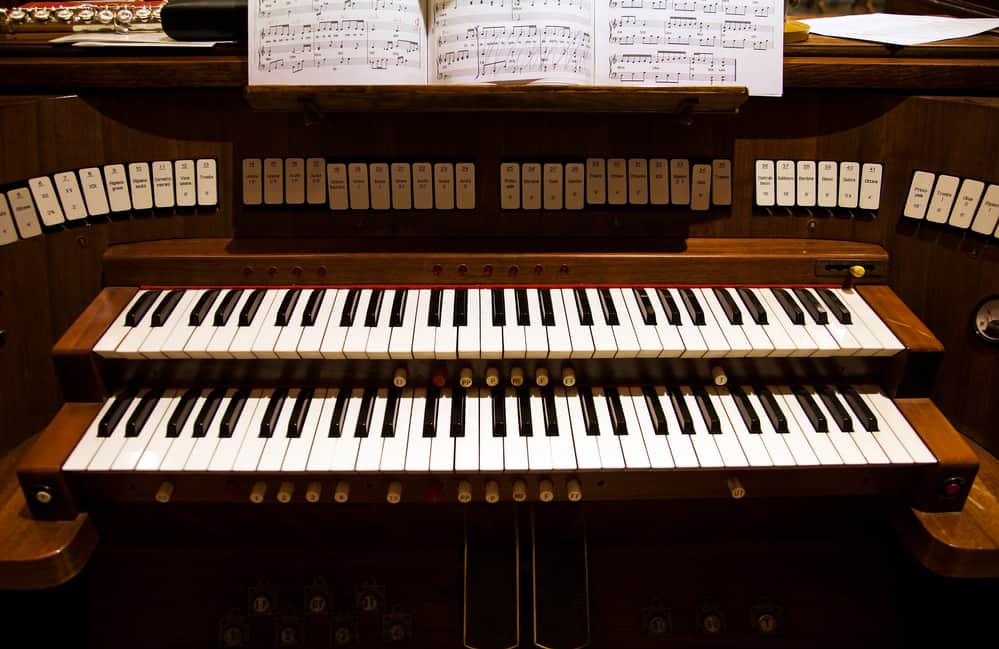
column 372, row 385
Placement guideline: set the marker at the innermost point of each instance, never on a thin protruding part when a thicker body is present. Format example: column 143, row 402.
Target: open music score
column 579, row 42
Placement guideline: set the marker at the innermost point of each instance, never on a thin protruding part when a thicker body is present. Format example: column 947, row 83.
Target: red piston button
column 953, row 487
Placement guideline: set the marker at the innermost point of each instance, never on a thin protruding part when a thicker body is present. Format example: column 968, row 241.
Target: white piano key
column 176, row 456
column 863, row 313
column 636, row 456
column 89, row 443
column 840, row 333
column 563, row 452
column 681, row 446
column 759, row 342
column 777, row 448
column 587, row 449
column 797, row 419
column 290, row 335
column 604, row 344
column 105, row 456
column 418, row 449
column 153, row 453
column 107, row 346
column 466, row 448
column 357, row 334
column 579, row 336
column 819, row 333
column 711, row 331
column 224, row 458
column 490, row 446
column 323, row 446
column 204, row 447
column 559, row 337
column 865, row 441
column 277, row 444
column 671, row 340
column 335, row 333
column 539, row 448
column 624, row 332
column 311, row 340
column 167, row 337
column 468, row 336
column 843, row 442
column 647, row 336
column 401, row 343
column 135, row 447
column 345, row 453
column 731, row 420
column 899, row 425
column 245, row 339
column 737, row 342
column 609, row 444
column 694, row 343
column 296, row 457
column 222, row 337
column 394, row 448
column 727, row 442
column 369, row 455
column 782, row 343
column 884, row 436
column 535, row 334
column 656, row 446
column 803, row 343
column 704, row 443
column 253, row 444
column 442, row 445
column 199, row 337
column 130, row 344
column 269, row 331
column 515, row 456
column 380, row 336
column 424, row 335
column 514, row 337
column 446, row 336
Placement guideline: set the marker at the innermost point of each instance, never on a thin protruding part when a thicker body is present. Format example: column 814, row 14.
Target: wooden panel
column 903, row 323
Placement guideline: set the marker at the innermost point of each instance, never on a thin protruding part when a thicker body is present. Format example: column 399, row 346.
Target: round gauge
column 985, row 319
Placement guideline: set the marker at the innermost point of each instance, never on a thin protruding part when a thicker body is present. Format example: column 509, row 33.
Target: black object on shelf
column 205, row 20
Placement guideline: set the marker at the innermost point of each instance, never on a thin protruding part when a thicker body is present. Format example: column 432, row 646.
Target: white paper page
column 691, row 43
column 340, row 42
column 482, row 41
column 896, row 29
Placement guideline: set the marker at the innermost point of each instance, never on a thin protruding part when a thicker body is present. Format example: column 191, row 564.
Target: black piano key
column 250, row 308
column 349, row 308
column 790, row 307
column 207, row 412
column 436, row 305
column 166, row 307
column 114, row 414
column 299, row 412
column 618, row 424
column 815, row 416
column 269, row 424
column 140, row 308
column 391, row 412
column 498, row 398
column 226, row 307
column 815, row 308
column 364, row 413
column 141, row 413
column 839, row 310
column 753, row 305
column 460, row 307
column 499, row 308
column 287, row 305
column 339, row 412
column 607, row 306
column 859, row 407
column 590, row 423
column 398, row 308
column 694, row 308
column 645, row 306
column 728, row 305
column 312, row 306
column 583, row 307
column 202, row 307
column 524, row 412
column 770, row 406
column 430, row 413
column 232, row 413
column 547, row 309
column 458, row 412
column 746, row 410
column 374, row 308
column 551, row 415
column 520, row 306
column 181, row 413
column 835, row 408
column 708, row 412
column 681, row 411
column 655, row 410
column 669, row 306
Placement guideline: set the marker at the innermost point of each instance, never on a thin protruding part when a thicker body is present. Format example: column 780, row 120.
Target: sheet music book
column 657, row 43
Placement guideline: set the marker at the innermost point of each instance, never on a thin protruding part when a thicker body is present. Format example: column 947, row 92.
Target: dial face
column 985, row 319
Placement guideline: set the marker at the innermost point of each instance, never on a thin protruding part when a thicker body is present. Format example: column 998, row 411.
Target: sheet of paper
column 897, row 29
column 544, row 41
column 132, row 39
column 302, row 42
column 691, row 43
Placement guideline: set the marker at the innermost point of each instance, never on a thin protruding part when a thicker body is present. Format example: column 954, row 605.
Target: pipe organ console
column 659, row 369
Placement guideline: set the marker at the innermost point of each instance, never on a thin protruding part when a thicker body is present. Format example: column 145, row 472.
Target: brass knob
column 465, row 377
column 546, row 491
column 574, row 490
column 394, row 494
column 857, row 271
column 464, row 491
column 400, row 377
column 517, row 377
column 314, row 491
column 719, row 376
column 735, row 488
column 342, row 492
column 519, row 491
column 492, row 377
column 164, row 493
column 541, row 377
column 285, row 492
column 568, row 377
column 258, row 492
column 492, row 492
